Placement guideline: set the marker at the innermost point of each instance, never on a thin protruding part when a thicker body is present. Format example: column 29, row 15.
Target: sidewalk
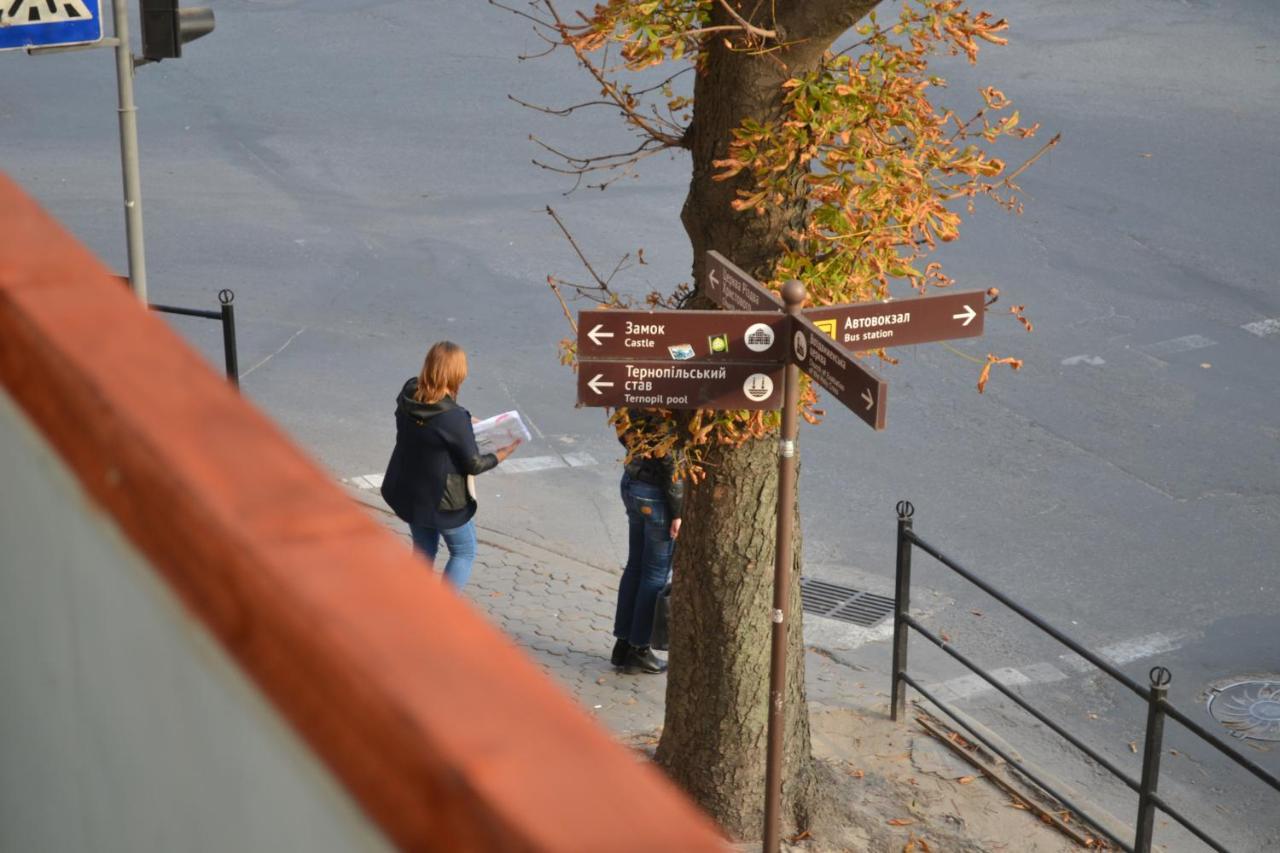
column 560, row 610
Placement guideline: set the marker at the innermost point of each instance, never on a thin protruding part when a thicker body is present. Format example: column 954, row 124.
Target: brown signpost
column 683, row 336
column 899, row 323
column 680, row 385
column 831, row 367
column 731, row 288
column 706, row 365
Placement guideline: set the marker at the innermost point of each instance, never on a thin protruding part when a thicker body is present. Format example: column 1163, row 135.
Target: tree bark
column 714, row 738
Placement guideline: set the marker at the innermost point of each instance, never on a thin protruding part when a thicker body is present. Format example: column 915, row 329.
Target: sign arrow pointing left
column 868, row 399
column 595, row 383
column 595, row 334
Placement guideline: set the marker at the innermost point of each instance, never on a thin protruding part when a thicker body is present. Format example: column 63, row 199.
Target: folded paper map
column 499, row 431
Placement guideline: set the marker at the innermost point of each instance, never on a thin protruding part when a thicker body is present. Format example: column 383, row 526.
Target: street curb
column 489, row 536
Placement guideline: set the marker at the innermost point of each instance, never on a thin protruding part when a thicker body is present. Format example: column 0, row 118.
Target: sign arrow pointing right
column 967, row 315
column 595, row 383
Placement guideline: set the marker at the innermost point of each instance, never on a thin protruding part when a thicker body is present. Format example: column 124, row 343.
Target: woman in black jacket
column 428, row 480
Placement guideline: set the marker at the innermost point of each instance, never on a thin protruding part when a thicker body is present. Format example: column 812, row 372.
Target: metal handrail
column 1217, row 744
column 1156, row 697
column 227, row 315
column 1013, row 762
column 1022, row 703
column 1085, row 653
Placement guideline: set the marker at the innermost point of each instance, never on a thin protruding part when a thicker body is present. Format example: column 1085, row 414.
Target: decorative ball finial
column 793, row 292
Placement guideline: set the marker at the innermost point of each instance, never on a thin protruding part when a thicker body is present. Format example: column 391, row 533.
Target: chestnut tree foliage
column 821, row 150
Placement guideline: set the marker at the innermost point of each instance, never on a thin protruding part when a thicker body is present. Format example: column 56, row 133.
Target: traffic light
column 166, row 28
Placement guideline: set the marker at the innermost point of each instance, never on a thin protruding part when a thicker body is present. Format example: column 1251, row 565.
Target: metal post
column 901, row 605
column 129, row 152
column 793, row 295
column 1160, row 678
column 226, row 297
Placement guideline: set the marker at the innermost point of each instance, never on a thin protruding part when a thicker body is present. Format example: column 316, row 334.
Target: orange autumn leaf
column 900, row 821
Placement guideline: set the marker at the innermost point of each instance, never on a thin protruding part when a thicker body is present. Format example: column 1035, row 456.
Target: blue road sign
column 45, row 23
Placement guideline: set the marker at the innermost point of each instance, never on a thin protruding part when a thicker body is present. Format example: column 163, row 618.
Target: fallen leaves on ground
column 900, row 821
column 795, row 839
column 857, row 774
column 1133, row 746
column 965, row 780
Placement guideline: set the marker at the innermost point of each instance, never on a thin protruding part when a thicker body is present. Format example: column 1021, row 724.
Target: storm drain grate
column 1249, row 709
column 843, row 603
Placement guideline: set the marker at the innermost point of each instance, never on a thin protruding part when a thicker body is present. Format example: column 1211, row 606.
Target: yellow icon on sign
column 828, row 326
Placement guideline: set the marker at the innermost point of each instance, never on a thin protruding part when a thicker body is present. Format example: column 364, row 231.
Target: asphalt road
column 357, row 174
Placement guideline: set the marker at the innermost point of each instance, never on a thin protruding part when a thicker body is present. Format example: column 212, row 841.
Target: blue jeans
column 649, row 552
column 461, row 542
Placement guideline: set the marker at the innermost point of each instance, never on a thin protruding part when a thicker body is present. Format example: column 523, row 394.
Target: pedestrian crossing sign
column 48, row 23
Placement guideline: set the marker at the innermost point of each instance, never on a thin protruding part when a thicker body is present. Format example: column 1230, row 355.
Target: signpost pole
column 129, row 152
column 793, row 296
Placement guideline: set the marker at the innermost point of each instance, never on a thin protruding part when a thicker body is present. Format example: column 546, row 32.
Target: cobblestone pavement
column 560, row 610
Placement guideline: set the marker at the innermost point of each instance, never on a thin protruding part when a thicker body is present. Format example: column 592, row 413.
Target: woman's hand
column 675, row 527
column 503, row 452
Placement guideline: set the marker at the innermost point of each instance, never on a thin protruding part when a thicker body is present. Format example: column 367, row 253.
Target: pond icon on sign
column 758, row 387
column 758, row 337
column 681, row 352
column 801, row 344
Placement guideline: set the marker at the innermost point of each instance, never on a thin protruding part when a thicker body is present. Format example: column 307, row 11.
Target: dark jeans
column 649, row 551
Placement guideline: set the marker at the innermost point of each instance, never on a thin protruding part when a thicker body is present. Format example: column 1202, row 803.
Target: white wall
column 123, row 727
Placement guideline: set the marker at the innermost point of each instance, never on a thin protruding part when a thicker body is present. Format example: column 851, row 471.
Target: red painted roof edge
column 448, row 736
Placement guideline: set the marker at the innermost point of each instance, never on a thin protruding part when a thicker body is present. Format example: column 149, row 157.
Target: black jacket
column 426, row 479
column 660, row 472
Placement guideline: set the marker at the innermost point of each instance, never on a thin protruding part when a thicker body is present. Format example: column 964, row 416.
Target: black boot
column 642, row 659
column 620, row 648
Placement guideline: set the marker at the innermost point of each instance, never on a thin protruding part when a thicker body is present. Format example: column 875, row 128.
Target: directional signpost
column 662, row 384
column 681, row 359
column 749, row 357
column 902, row 322
column 859, row 389
column 46, row 23
column 682, row 335
column 731, row 288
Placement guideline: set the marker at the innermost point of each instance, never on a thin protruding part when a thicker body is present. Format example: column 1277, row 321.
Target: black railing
column 1158, row 707
column 227, row 315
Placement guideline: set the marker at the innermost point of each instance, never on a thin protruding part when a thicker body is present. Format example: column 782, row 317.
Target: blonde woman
column 426, row 483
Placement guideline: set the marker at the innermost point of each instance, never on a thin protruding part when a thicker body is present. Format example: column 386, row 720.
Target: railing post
column 1160, row 678
column 227, row 297
column 901, row 604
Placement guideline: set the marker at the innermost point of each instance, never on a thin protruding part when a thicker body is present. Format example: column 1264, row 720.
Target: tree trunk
column 714, row 740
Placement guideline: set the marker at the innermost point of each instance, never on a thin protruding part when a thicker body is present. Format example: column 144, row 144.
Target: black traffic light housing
column 166, row 28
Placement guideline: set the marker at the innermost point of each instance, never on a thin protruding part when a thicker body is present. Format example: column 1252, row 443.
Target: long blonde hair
column 443, row 371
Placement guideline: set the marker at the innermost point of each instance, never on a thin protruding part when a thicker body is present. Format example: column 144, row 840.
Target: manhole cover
column 1248, row 709
column 844, row 603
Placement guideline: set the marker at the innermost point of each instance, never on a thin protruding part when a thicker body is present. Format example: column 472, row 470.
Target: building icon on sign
column 759, row 338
